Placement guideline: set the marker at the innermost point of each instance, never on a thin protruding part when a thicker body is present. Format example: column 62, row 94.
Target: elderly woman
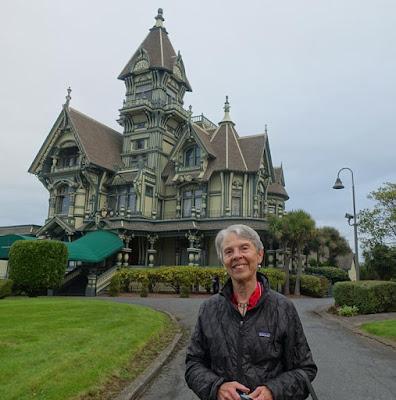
column 248, row 341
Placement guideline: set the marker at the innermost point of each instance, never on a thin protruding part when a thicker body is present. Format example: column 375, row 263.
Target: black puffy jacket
column 266, row 347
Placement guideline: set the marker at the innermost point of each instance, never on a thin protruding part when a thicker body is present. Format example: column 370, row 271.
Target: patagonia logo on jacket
column 264, row 334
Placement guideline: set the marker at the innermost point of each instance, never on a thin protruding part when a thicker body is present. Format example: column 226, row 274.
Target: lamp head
column 338, row 184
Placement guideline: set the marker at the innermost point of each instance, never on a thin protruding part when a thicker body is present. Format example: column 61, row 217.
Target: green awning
column 94, row 247
column 6, row 241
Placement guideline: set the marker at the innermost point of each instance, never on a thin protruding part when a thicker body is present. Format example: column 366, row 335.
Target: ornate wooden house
column 169, row 182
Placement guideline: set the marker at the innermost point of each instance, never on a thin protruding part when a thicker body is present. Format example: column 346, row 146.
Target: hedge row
column 5, row 288
column 36, row 265
column 333, row 274
column 181, row 276
column 368, row 296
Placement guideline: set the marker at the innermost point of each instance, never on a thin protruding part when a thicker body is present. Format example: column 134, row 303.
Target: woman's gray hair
column 242, row 231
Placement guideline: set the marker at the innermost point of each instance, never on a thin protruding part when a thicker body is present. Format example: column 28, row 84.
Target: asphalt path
column 351, row 367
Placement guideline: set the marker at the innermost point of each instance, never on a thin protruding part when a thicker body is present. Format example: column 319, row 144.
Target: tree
column 335, row 243
column 380, row 260
column 292, row 232
column 378, row 225
column 301, row 228
column 36, row 265
column 278, row 229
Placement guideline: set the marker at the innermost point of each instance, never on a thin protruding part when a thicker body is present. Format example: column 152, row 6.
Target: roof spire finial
column 227, row 107
column 265, row 129
column 190, row 112
column 68, row 97
column 159, row 19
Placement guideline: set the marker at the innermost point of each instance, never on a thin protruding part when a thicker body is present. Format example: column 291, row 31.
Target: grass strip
column 385, row 329
column 62, row 349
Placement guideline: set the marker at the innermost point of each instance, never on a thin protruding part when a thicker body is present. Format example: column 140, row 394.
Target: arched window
column 192, row 156
column 63, row 200
column 122, row 196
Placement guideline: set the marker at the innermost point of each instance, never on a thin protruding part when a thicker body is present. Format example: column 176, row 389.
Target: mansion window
column 143, row 91
column 191, row 198
column 122, row 196
column 68, row 157
column 139, row 144
column 236, row 203
column 138, row 162
column 192, row 156
column 62, row 200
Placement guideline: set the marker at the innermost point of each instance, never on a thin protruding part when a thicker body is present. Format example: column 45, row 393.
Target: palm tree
column 301, row 227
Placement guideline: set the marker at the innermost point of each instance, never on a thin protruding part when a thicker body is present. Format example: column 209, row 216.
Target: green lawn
column 57, row 348
column 386, row 329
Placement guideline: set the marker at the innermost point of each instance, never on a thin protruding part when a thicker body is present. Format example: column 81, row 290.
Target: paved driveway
column 351, row 367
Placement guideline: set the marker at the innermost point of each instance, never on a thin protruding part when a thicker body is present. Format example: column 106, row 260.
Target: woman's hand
column 261, row 393
column 228, row 391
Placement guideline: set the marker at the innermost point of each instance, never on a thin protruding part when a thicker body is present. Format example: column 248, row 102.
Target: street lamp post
column 338, row 185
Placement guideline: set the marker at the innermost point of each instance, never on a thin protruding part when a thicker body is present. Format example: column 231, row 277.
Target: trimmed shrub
column 37, row 265
column 333, row 274
column 368, row 296
column 314, row 286
column 275, row 276
column 5, row 288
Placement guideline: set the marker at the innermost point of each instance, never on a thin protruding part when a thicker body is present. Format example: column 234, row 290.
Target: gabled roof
column 102, row 145
column 277, row 188
column 253, row 149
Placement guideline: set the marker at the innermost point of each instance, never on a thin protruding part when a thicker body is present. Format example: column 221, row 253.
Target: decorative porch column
column 193, row 251
column 151, row 252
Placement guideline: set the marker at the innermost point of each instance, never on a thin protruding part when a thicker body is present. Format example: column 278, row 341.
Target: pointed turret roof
column 225, row 141
column 158, row 49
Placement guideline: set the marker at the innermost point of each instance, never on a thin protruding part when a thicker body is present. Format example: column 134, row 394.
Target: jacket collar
column 227, row 289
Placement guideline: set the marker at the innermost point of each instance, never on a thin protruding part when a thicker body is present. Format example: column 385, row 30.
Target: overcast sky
column 320, row 73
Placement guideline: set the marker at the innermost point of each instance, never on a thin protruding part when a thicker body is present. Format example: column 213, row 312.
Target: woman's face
column 241, row 258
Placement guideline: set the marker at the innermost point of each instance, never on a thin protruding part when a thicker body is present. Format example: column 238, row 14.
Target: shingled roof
column 102, row 145
column 277, row 188
column 159, row 49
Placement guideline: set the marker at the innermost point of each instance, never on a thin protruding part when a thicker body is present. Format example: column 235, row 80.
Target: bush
column 184, row 292
column 37, row 265
column 333, row 274
column 348, row 311
column 115, row 285
column 315, row 286
column 143, row 291
column 5, row 288
column 368, row 296
column 275, row 277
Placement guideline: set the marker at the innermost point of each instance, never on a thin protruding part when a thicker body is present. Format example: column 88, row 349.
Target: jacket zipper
column 239, row 353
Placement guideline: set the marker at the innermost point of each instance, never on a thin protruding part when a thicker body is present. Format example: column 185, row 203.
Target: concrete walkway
column 351, row 367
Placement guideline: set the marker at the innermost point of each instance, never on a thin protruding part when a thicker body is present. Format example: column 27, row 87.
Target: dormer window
column 192, row 156
column 68, row 157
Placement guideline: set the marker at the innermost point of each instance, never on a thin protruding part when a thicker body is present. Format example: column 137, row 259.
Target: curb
column 137, row 386
column 355, row 329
